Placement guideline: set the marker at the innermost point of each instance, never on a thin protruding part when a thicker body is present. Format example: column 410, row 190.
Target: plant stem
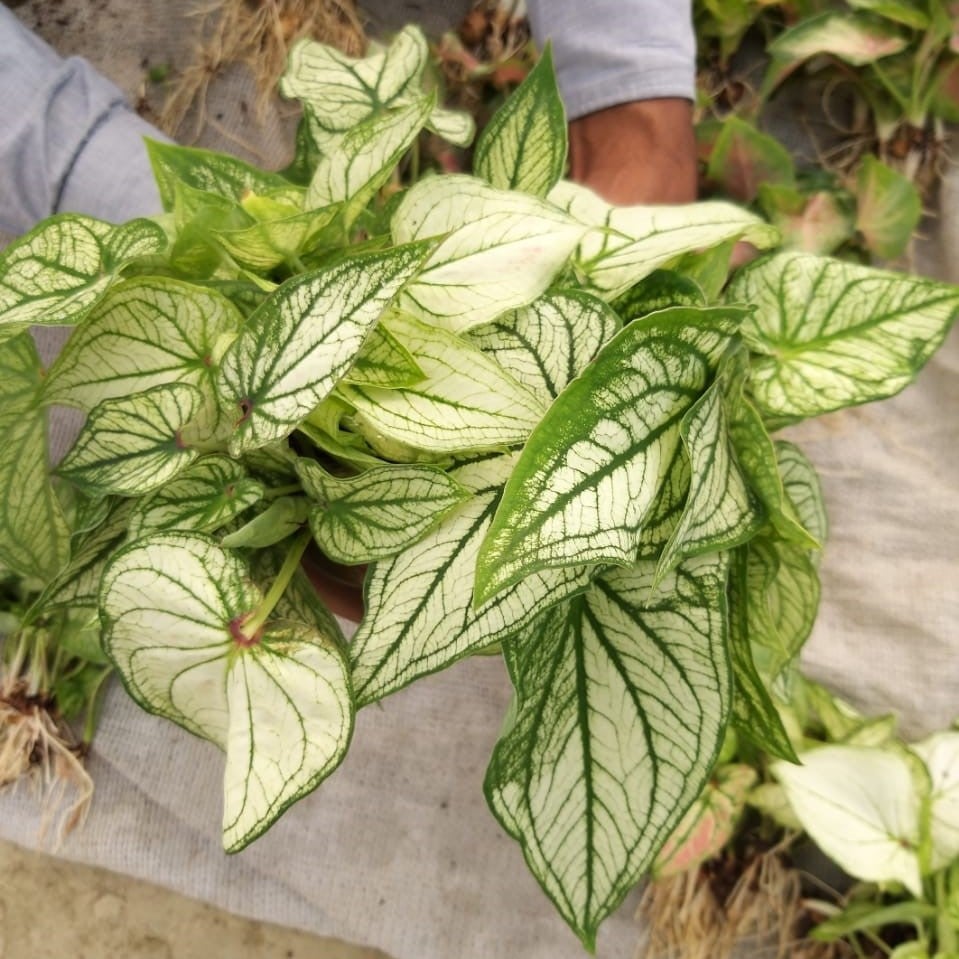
column 947, row 937
column 279, row 491
column 290, row 565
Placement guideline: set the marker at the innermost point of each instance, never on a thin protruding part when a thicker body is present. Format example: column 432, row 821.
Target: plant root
column 37, row 748
column 731, row 907
column 258, row 34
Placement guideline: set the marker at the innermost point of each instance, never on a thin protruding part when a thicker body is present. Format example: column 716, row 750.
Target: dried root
column 731, row 907
column 258, row 34
column 38, row 749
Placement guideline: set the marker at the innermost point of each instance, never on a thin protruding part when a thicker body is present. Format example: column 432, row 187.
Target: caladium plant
column 543, row 421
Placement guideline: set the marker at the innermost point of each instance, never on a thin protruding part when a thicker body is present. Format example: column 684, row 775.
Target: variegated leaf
column 134, row 445
column 302, row 340
column 377, row 514
column 589, row 475
column 829, row 334
column 356, row 163
column 420, row 615
column 721, row 511
column 465, row 401
column 210, row 172
column 621, row 705
column 147, row 332
column 55, row 273
column 173, row 608
column 757, row 456
column 860, row 806
column 205, row 496
column 625, row 244
column 343, row 91
column 384, row 361
column 754, row 715
column 500, row 249
column 940, row 753
column 453, row 126
column 550, row 342
column 523, row 147
column 291, row 719
column 21, row 379
column 803, row 492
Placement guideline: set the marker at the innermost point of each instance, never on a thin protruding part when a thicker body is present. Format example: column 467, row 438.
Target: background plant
column 543, row 421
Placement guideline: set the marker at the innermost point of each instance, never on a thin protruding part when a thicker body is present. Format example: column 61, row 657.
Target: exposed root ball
column 259, row 34
column 731, row 907
column 36, row 748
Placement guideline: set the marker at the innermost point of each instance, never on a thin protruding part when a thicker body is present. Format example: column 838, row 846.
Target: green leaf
column 523, row 147
column 464, row 402
column 133, row 445
column 343, row 91
column 547, row 344
column 211, row 173
column 620, row 710
column 302, row 340
column 146, row 332
column 55, row 273
column 940, row 753
column 420, row 616
column 888, row 208
column 500, row 250
column 829, row 334
column 34, row 535
column 758, row 457
column 755, row 715
column 21, row 378
column 378, row 513
column 384, row 361
column 589, row 475
column 743, row 158
column 861, row 806
column 282, row 518
column 721, row 511
column 356, row 163
column 204, row 497
column 625, row 244
column 658, row 291
column 905, row 12
column 173, row 607
column 803, row 491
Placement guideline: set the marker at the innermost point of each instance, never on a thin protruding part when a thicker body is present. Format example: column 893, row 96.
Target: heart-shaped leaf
column 589, row 474
column 940, row 753
column 829, row 334
column 378, row 513
column 621, row 705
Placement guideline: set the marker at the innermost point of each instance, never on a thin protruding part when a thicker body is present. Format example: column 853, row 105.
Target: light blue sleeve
column 613, row 51
column 68, row 138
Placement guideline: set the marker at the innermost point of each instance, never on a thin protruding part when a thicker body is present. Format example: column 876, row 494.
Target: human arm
column 68, row 138
column 626, row 71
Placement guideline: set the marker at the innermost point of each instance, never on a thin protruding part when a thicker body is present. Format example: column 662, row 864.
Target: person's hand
column 638, row 152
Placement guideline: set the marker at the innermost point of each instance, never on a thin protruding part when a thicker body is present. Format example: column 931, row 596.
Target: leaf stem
column 277, row 491
column 290, row 565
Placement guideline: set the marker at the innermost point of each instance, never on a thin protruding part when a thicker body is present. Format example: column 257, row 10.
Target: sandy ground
column 50, row 909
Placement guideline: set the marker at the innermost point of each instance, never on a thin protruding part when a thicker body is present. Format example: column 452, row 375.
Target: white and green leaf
column 625, row 244
column 343, row 91
column 523, row 147
column 828, row 334
column 721, row 510
column 420, row 615
column 291, row 719
column 380, row 512
column 500, row 249
column 134, row 445
column 147, row 332
column 803, row 492
column 385, row 362
column 940, row 753
column 304, row 338
column 55, row 273
column 465, row 401
column 210, row 493
column 861, row 806
column 621, row 705
column 550, row 342
column 589, row 475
